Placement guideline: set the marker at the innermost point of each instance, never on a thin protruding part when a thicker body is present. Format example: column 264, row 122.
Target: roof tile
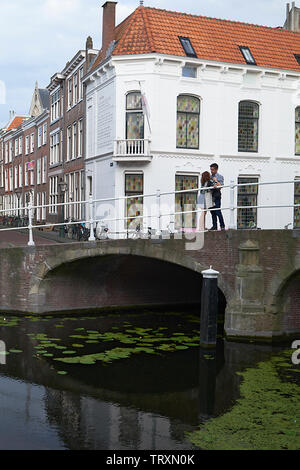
column 149, row 30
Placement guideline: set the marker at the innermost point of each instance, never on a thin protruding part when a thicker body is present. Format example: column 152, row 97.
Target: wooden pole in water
column 209, row 309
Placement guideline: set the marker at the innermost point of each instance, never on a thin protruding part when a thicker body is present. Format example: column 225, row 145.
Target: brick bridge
column 259, row 278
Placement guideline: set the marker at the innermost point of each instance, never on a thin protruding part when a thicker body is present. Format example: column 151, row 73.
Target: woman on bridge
column 205, row 200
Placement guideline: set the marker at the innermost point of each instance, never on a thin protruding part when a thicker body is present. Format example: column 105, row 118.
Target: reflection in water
column 143, row 402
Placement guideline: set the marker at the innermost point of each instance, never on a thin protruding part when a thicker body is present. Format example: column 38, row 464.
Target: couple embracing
column 211, row 198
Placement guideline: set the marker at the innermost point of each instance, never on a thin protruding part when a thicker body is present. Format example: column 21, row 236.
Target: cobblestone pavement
column 9, row 239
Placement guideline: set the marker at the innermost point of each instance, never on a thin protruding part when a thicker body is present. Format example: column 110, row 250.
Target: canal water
column 115, row 381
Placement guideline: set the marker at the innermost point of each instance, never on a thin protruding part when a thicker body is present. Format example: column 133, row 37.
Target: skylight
column 247, row 55
column 297, row 57
column 187, row 46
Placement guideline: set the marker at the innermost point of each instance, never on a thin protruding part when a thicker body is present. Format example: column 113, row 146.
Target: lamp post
column 63, row 188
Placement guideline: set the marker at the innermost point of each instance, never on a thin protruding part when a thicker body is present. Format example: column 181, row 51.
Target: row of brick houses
column 42, row 153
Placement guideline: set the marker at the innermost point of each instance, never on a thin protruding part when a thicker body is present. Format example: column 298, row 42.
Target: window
column 20, row 145
column 39, row 172
column 134, row 116
column 10, row 179
column 43, row 208
column 26, row 174
column 189, row 71
column 248, row 126
column 6, row 181
column 44, row 169
column 187, row 46
column 247, row 196
column 44, row 134
column 70, row 93
column 80, row 138
column 38, row 209
column 6, row 153
column 247, row 55
column 297, row 57
column 81, row 83
column 69, row 141
column 32, row 175
column 188, row 111
column 55, row 105
column 40, row 136
column 32, row 143
column 27, row 145
column 54, row 148
column 75, row 85
column 134, row 186
column 297, row 131
column 186, row 201
column 53, row 196
column 74, row 140
column 10, row 150
column 16, row 147
column 16, row 177
column 20, row 176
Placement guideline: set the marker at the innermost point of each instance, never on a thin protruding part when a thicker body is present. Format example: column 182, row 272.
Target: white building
column 217, row 91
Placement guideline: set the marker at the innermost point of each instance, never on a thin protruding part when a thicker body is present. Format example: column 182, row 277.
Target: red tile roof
column 149, row 30
column 17, row 121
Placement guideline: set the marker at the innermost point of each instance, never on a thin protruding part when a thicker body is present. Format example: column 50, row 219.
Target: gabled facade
column 67, row 121
column 24, row 151
column 171, row 93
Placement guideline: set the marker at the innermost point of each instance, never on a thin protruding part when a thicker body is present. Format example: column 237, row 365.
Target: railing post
column 31, row 242
column 158, row 200
column 232, row 201
column 92, row 235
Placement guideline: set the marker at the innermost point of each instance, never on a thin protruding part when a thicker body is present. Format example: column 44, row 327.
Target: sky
column 38, row 37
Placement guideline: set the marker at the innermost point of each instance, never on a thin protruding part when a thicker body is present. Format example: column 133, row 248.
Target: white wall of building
column 220, row 88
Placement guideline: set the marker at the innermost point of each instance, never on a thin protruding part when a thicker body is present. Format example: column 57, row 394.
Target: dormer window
column 187, row 46
column 297, row 57
column 247, row 55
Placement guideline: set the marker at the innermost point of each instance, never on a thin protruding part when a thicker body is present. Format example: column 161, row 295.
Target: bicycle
column 141, row 232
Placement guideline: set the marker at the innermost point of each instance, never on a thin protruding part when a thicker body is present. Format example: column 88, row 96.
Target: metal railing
column 158, row 195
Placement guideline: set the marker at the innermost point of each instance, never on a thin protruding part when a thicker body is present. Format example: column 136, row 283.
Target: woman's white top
column 205, row 199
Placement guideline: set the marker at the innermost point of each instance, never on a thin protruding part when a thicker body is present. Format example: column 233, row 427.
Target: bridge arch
column 108, row 257
column 287, row 302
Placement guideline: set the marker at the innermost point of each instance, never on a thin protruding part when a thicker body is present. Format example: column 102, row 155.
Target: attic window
column 187, row 46
column 247, row 55
column 297, row 57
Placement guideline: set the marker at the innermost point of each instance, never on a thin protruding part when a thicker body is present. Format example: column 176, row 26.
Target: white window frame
column 75, row 88
column 27, row 145
column 20, row 175
column 74, row 140
column 80, row 138
column 16, row 177
column 32, row 143
column 39, row 136
column 45, row 134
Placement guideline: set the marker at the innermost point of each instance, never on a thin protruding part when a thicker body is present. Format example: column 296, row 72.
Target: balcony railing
column 135, row 149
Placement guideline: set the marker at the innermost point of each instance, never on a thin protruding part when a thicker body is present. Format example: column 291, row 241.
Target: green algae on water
column 266, row 417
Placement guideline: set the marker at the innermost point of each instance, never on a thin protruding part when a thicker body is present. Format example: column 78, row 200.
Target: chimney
column 109, row 23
